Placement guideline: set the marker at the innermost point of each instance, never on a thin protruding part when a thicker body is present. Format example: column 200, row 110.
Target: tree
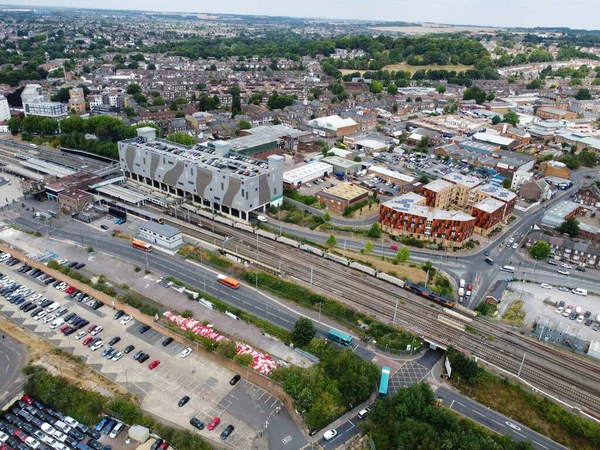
column 392, row 89
column 368, row 248
column 376, row 86
column 402, row 255
column 474, row 93
column 506, row 183
column 129, row 111
column 331, row 240
column 303, row 332
column 151, row 66
column 133, row 89
column 424, row 179
column 375, row 231
column 158, row 101
column 587, row 158
column 496, row 120
column 536, row 83
column 583, row 94
column 540, row 250
column 441, row 89
column 244, row 125
column 14, row 125
column 277, row 101
column 512, row 118
column 181, row 138
column 569, row 226
column 236, row 102
column 327, row 218
column 571, row 161
column 316, row 92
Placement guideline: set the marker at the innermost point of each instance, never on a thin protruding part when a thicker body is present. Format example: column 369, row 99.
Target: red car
column 394, row 247
column 214, row 423
column 164, row 446
column 20, row 435
column 153, row 364
column 87, row 340
column 92, row 328
column 69, row 290
column 469, row 287
column 27, row 399
column 64, row 328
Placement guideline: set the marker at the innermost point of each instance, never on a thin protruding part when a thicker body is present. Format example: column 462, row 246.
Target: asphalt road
column 494, row 420
column 13, row 357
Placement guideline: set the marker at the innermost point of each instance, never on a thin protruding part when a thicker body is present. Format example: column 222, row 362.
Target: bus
column 339, row 337
column 383, row 382
column 230, row 282
column 141, row 245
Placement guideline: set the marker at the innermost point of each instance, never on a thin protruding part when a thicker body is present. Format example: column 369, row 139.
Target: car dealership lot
column 244, row 405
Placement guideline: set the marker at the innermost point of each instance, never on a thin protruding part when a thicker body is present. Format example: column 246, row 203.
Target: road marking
column 501, row 424
column 535, row 442
column 266, row 400
column 477, row 412
column 286, row 439
column 231, row 395
column 261, row 396
column 522, row 435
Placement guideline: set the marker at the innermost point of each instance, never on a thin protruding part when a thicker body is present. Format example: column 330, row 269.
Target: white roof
column 437, row 185
column 371, row 143
column 489, row 205
column 392, row 173
column 493, row 138
column 331, row 122
column 497, row 192
column 300, row 173
column 465, row 180
column 48, row 167
column 340, row 152
column 123, row 194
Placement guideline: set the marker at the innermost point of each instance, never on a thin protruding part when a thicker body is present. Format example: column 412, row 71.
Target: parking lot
column 244, row 405
column 539, row 302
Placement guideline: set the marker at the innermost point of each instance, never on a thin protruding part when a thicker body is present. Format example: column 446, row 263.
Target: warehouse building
column 399, row 179
column 338, row 198
column 296, row 177
column 343, row 166
column 211, row 177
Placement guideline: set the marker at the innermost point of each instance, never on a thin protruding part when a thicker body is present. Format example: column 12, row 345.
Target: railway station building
column 214, row 177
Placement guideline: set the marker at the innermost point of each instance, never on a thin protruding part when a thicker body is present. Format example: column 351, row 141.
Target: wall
column 252, row 376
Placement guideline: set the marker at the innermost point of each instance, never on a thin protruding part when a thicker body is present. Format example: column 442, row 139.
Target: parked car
column 183, row 401
column 214, row 423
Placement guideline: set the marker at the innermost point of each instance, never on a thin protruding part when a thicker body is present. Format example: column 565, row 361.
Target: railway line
column 547, row 368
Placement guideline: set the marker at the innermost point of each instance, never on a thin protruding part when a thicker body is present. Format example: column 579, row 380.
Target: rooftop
column 404, row 202
column 555, row 215
column 341, row 162
column 371, row 143
column 392, row 173
column 123, row 194
column 489, row 205
column 164, row 230
column 347, row 191
column 497, row 192
column 464, row 180
column 299, row 173
column 48, row 168
column 331, row 122
column 216, row 158
column 438, row 185
column 493, row 138
column 75, row 194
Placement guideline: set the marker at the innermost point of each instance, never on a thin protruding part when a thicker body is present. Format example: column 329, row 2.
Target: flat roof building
column 304, row 174
column 342, row 165
column 333, row 126
column 488, row 214
column 212, row 177
column 164, row 236
column 399, row 179
column 342, row 196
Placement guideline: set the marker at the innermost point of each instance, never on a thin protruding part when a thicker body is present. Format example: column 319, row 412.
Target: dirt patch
column 413, row 69
column 58, row 362
column 515, row 314
column 402, row 270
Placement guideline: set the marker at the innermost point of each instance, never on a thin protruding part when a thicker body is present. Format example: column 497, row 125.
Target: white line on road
column 537, row 443
column 501, row 424
column 522, row 435
column 477, row 412
column 231, row 395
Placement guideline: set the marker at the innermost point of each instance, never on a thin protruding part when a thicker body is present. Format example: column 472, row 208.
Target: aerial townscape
column 251, row 232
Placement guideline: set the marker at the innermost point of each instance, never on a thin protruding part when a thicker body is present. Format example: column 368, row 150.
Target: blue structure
column 384, row 380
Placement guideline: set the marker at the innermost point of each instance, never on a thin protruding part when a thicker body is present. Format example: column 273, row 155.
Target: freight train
column 407, row 285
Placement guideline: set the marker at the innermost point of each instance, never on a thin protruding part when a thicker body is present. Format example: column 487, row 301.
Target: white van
column 509, row 269
column 462, row 283
column 116, row 430
column 579, row 291
column 363, row 413
column 262, row 219
column 57, row 323
column 53, row 307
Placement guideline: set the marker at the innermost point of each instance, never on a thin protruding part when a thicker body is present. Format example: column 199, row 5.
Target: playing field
column 413, row 69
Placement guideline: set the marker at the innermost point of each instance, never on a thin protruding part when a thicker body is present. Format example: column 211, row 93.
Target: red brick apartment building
column 488, row 214
column 408, row 215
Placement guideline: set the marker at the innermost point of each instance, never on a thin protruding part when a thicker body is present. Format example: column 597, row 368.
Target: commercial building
column 160, row 235
column 559, row 183
column 333, row 126
column 211, row 177
column 33, row 93
column 555, row 114
column 399, row 179
column 4, row 109
column 77, row 100
column 555, row 169
column 75, row 200
column 407, row 215
column 338, row 198
column 53, row 110
column 438, row 194
column 496, row 139
column 305, row 174
column 488, row 214
column 342, row 165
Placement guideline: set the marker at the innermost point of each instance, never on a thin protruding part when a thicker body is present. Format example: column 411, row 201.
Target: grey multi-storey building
column 212, row 176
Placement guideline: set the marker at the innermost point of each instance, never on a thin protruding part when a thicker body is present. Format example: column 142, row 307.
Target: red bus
column 144, row 246
column 230, row 282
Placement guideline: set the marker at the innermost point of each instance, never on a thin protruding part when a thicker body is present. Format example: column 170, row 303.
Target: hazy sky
column 568, row 13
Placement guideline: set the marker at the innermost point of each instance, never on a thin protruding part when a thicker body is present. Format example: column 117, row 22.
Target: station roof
column 122, row 194
column 48, row 168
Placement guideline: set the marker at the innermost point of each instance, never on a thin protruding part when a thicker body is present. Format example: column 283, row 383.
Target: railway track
column 576, row 381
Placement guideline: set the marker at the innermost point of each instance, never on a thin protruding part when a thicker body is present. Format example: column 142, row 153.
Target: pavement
column 13, row 357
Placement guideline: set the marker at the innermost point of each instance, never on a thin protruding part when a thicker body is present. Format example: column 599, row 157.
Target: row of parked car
column 29, row 424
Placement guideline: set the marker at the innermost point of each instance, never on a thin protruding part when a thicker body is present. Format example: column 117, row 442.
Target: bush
column 90, row 249
column 187, row 314
column 294, row 195
column 227, row 349
column 243, row 360
column 139, row 302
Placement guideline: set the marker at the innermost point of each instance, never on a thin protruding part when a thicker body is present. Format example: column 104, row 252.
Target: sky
column 511, row 13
